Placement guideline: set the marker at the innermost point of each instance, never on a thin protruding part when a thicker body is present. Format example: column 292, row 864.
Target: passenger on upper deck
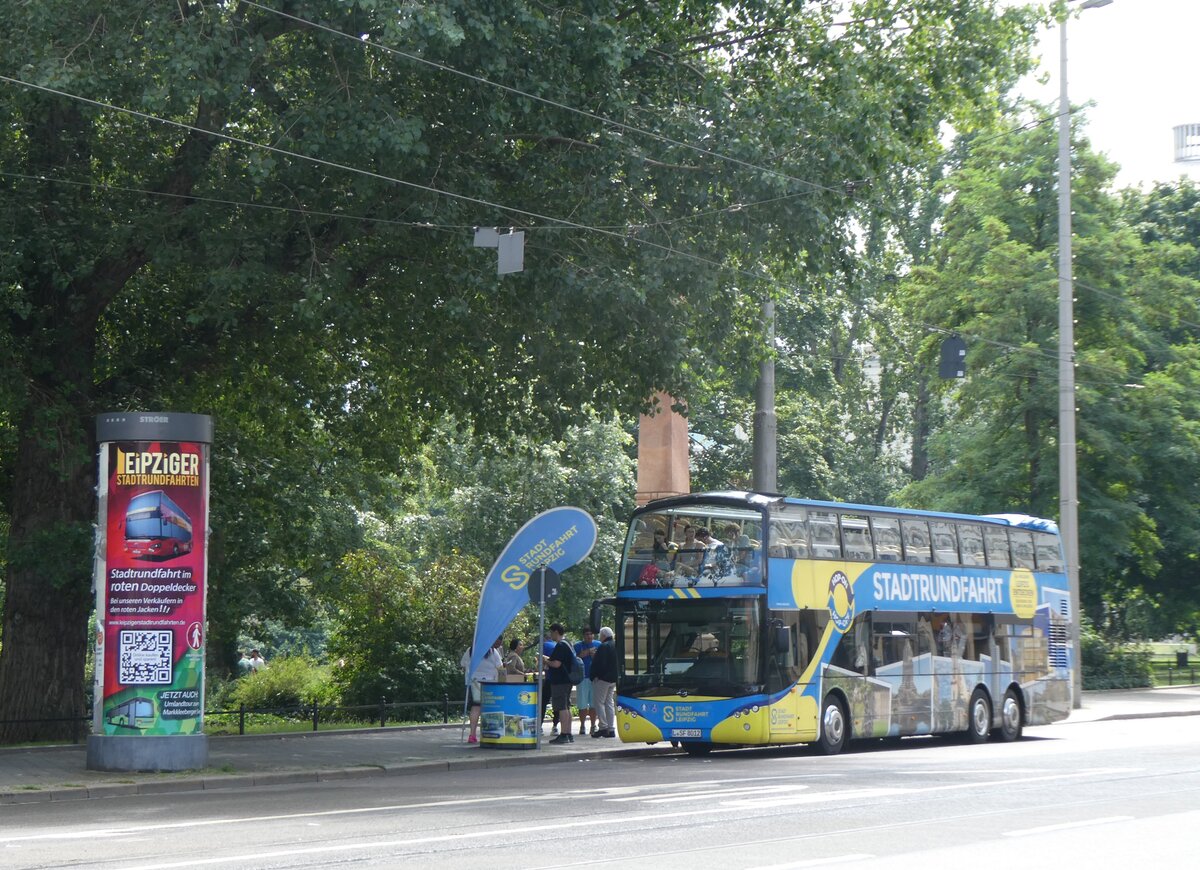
column 745, row 561
column 690, row 553
column 715, row 562
column 661, row 552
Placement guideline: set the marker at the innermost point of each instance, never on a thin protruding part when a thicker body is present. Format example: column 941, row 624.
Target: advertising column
column 149, row 578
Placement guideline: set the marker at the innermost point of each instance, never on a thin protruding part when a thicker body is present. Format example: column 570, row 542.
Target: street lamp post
column 1068, row 496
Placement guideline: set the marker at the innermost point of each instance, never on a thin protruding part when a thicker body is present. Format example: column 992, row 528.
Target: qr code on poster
column 145, row 658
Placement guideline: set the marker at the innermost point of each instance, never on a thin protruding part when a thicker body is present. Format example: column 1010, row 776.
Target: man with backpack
column 558, row 674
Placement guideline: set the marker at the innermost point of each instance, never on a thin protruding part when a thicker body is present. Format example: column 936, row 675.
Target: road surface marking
column 1066, row 826
column 814, row 862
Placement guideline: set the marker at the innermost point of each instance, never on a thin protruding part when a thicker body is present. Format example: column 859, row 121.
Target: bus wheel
column 697, row 748
column 834, row 730
column 979, row 717
column 1010, row 718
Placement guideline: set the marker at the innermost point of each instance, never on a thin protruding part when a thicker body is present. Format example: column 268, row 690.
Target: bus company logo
column 157, row 468
column 515, row 577
column 841, row 601
column 668, row 714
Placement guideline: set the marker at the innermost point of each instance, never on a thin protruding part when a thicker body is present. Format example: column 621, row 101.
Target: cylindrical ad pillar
column 150, row 583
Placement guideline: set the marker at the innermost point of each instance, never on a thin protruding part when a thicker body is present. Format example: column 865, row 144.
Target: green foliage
column 401, row 630
column 1111, row 665
column 329, row 311
column 295, row 681
column 992, row 444
column 405, row 605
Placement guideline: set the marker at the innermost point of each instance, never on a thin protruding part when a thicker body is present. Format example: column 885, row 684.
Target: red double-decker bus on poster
column 156, row 527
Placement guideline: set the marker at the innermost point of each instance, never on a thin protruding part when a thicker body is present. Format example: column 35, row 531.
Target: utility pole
column 1068, row 494
column 766, row 476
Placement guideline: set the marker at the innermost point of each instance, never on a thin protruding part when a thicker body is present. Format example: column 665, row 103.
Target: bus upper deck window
column 996, row 542
column 916, row 540
column 886, row 532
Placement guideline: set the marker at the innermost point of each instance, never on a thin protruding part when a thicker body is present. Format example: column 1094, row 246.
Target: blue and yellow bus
column 776, row 620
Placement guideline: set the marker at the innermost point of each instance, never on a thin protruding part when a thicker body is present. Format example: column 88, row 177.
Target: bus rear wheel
column 1010, row 717
column 979, row 717
column 835, row 730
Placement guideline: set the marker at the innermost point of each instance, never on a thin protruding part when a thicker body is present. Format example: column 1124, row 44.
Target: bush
column 295, row 681
column 400, row 632
column 1107, row 664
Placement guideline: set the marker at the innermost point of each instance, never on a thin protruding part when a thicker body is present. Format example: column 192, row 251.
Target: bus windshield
column 695, row 647
column 695, row 544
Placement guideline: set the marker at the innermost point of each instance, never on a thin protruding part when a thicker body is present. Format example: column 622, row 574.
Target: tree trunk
column 49, row 574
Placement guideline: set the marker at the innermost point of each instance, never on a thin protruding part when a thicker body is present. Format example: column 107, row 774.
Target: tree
column 259, row 214
column 993, row 279
column 404, row 604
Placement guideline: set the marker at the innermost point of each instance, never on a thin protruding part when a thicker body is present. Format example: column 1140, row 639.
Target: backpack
column 575, row 673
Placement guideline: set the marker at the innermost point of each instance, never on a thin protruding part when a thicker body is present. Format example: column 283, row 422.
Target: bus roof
column 760, row 501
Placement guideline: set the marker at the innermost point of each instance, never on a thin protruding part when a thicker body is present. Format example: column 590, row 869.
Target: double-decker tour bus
column 748, row 619
column 156, row 526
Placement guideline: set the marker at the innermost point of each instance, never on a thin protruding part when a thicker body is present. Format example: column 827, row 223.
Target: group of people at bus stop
column 595, row 694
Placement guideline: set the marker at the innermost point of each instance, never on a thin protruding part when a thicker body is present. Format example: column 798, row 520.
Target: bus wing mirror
column 594, row 616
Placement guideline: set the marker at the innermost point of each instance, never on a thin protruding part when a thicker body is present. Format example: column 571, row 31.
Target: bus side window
column 789, row 535
column 824, row 530
column 916, row 540
column 856, row 538
column 1022, row 549
column 970, row 544
column 1049, row 553
column 996, row 541
column 886, row 531
column 945, row 547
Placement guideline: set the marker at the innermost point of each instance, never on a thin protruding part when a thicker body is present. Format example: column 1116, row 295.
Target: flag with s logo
column 558, row 538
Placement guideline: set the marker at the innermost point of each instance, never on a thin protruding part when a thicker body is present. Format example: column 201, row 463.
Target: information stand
column 508, row 716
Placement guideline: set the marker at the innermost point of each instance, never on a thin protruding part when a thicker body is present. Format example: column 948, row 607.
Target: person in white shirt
column 488, row 670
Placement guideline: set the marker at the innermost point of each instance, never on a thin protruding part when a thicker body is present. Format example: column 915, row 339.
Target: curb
column 204, row 782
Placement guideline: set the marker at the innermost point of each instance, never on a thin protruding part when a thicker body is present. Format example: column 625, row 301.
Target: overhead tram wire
column 42, row 178
column 236, row 203
column 45, row 178
column 450, row 227
column 621, row 236
column 1117, row 298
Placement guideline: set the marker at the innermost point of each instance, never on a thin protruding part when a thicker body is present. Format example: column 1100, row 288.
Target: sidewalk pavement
column 57, row 773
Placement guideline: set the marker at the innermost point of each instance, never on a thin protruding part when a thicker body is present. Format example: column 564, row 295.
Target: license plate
column 685, row 732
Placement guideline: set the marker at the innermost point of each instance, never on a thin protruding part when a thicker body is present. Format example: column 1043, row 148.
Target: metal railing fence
column 381, row 712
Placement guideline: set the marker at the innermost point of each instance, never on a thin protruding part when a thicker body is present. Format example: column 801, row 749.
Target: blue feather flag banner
column 559, row 538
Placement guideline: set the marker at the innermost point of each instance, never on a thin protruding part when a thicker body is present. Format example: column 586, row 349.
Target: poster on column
column 152, row 629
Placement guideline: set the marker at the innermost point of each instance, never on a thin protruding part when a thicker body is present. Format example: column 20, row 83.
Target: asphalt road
column 1099, row 794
